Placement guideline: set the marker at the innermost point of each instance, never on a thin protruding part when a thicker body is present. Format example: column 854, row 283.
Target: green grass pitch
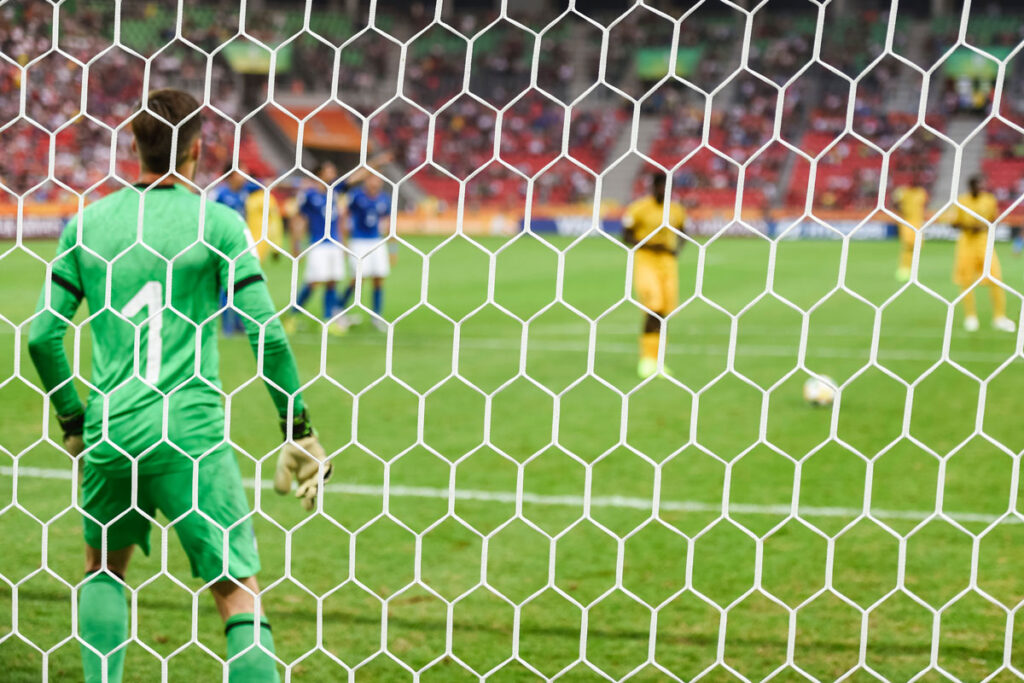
column 480, row 582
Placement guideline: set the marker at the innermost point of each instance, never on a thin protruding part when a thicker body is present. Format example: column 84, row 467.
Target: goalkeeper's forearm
column 46, row 347
column 270, row 345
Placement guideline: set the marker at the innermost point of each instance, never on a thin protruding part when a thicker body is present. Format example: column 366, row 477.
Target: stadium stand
column 82, row 144
column 738, row 131
column 1003, row 163
column 531, row 139
column 814, row 108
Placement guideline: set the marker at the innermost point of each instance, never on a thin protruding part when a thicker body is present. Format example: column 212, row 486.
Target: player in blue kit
column 317, row 221
column 235, row 189
column 369, row 211
column 233, row 193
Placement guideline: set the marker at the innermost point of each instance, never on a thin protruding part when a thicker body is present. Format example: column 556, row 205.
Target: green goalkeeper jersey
column 151, row 267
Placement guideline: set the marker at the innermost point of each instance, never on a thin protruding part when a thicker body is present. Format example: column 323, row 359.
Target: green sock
column 256, row 665
column 103, row 624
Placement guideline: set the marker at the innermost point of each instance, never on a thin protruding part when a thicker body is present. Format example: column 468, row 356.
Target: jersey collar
column 161, row 186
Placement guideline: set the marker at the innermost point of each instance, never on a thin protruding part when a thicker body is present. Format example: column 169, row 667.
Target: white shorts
column 369, row 257
column 325, row 262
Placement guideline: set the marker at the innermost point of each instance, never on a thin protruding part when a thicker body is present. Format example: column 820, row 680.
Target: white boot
column 1004, row 324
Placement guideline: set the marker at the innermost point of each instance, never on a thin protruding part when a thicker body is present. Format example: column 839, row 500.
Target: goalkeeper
column 153, row 428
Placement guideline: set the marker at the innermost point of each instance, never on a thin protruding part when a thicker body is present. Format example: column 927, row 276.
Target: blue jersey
column 234, row 199
column 313, row 206
column 367, row 213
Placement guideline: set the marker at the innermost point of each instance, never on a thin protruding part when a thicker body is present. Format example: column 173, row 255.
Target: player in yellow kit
column 647, row 225
column 254, row 207
column 975, row 214
column 911, row 206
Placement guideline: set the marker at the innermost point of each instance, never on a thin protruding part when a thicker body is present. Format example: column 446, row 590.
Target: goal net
column 816, row 473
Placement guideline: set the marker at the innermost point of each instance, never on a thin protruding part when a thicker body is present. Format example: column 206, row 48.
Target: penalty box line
column 620, row 502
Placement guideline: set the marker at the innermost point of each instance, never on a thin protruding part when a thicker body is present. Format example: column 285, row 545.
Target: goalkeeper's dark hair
column 153, row 135
column 658, row 181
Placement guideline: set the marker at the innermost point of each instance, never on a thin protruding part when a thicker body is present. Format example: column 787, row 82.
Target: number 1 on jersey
column 149, row 298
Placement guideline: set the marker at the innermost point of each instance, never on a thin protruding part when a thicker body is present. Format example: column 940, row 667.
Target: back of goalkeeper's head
column 153, row 127
column 658, row 181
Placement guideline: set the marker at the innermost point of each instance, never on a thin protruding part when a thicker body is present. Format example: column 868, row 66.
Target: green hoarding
column 249, row 58
column 651, row 63
column 965, row 62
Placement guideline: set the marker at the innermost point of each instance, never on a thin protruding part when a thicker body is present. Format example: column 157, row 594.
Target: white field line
column 511, row 343
column 622, row 502
column 703, row 331
column 602, row 347
column 677, row 350
column 697, row 330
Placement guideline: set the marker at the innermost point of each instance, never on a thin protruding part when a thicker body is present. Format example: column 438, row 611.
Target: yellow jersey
column 984, row 205
column 912, row 204
column 254, row 217
column 644, row 217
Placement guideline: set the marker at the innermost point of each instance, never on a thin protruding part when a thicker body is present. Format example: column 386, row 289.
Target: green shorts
column 110, row 518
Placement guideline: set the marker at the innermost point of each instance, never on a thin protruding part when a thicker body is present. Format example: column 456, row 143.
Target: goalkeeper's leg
column 111, row 520
column 250, row 642
column 221, row 547
column 103, row 615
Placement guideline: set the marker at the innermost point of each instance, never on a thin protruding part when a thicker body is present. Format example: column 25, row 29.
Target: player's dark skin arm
column 679, row 245
column 297, row 230
column 966, row 228
column 630, row 240
column 975, row 190
column 628, row 237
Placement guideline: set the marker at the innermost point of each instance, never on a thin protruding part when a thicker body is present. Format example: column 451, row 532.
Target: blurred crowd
column 81, row 141
column 740, row 130
column 849, row 173
column 80, row 148
column 530, row 140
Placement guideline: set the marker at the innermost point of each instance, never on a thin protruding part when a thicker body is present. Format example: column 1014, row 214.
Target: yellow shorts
column 656, row 276
column 969, row 264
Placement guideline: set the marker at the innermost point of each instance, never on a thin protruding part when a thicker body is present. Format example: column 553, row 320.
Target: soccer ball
column 819, row 391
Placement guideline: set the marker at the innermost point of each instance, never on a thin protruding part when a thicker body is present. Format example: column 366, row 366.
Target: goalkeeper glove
column 301, row 458
column 73, row 426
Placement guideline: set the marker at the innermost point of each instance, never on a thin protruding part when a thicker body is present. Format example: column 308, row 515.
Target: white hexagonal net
column 509, row 500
